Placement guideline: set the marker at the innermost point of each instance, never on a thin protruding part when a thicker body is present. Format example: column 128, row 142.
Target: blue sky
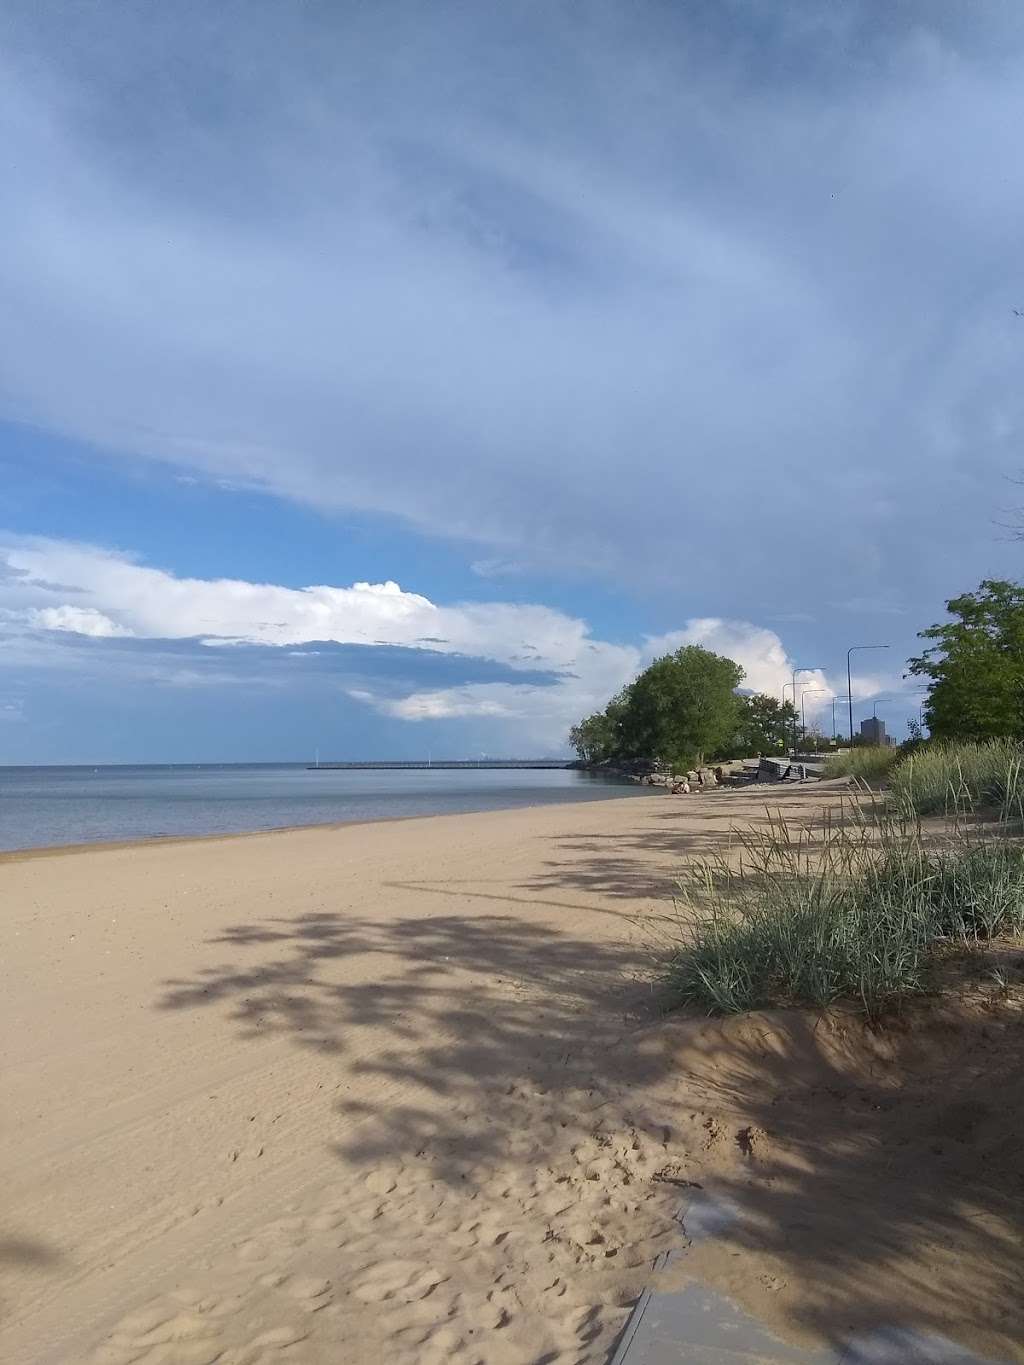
column 569, row 332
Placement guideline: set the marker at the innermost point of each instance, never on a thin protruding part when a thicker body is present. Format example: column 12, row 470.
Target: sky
column 387, row 379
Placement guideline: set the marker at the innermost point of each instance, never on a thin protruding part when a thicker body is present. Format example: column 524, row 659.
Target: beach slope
column 388, row 1091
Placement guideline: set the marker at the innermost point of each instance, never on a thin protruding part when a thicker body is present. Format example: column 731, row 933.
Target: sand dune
column 399, row 1091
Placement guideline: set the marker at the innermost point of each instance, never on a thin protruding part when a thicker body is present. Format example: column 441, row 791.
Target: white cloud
column 493, row 700
column 497, row 568
column 759, row 651
column 120, row 597
column 77, row 621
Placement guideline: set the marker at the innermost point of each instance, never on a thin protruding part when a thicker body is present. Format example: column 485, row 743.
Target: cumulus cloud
column 759, row 651
column 555, row 669
column 77, row 621
column 151, row 602
column 596, row 287
column 484, row 699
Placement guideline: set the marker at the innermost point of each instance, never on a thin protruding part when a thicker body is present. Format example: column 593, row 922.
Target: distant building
column 872, row 731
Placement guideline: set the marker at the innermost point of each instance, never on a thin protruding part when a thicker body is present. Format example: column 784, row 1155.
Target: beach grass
column 945, row 778
column 871, row 763
column 855, row 911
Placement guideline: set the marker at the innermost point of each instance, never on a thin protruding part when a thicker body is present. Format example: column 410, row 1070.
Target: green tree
column 975, row 666
column 682, row 707
column 764, row 726
column 600, row 738
column 593, row 738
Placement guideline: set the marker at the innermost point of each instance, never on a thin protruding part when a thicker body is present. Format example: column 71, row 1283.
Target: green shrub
column 854, row 912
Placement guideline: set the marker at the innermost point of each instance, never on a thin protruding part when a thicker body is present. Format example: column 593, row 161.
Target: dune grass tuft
column 854, row 911
column 945, row 778
column 870, row 763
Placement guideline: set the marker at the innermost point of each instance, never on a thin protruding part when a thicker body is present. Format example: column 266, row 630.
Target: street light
column 793, row 685
column 791, row 688
column 806, row 692
column 834, row 700
column 849, row 679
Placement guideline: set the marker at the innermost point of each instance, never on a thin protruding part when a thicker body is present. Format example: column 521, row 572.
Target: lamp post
column 793, row 684
column 834, row 700
column 849, row 678
column 806, row 692
column 786, row 687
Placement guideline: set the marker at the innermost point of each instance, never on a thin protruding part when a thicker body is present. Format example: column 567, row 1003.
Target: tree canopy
column 681, row 709
column 764, row 726
column 976, row 665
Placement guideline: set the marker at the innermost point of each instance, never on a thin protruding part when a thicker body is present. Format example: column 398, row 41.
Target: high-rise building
column 872, row 731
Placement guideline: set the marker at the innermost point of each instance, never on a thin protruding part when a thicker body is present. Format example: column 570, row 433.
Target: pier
column 470, row 764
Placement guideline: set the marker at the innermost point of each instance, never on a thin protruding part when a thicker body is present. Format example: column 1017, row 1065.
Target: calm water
column 45, row 806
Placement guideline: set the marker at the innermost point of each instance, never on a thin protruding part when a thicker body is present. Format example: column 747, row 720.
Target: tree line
column 687, row 707
column 683, row 709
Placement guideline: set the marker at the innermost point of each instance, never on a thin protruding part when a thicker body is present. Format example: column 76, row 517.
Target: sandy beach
column 403, row 1091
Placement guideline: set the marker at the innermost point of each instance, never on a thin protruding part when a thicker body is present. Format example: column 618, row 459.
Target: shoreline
column 15, row 855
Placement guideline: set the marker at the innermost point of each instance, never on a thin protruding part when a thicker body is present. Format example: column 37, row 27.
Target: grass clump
column 869, row 763
column 977, row 891
column 855, row 911
column 950, row 777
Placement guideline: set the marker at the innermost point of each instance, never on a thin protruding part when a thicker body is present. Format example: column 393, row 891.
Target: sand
column 402, row 1091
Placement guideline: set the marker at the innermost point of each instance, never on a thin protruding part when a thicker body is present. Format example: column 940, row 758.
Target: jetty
column 470, row 764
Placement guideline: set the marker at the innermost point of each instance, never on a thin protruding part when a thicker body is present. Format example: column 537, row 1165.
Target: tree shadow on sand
column 445, row 1009
column 24, row 1257
column 877, row 1178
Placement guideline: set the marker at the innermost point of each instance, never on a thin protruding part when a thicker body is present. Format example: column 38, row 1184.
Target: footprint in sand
column 279, row 1337
column 381, row 1181
column 405, row 1281
column 179, row 1339
column 327, row 1222
column 264, row 1349
column 313, row 1293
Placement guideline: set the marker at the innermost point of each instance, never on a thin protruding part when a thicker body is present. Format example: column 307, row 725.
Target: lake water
column 40, row 807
